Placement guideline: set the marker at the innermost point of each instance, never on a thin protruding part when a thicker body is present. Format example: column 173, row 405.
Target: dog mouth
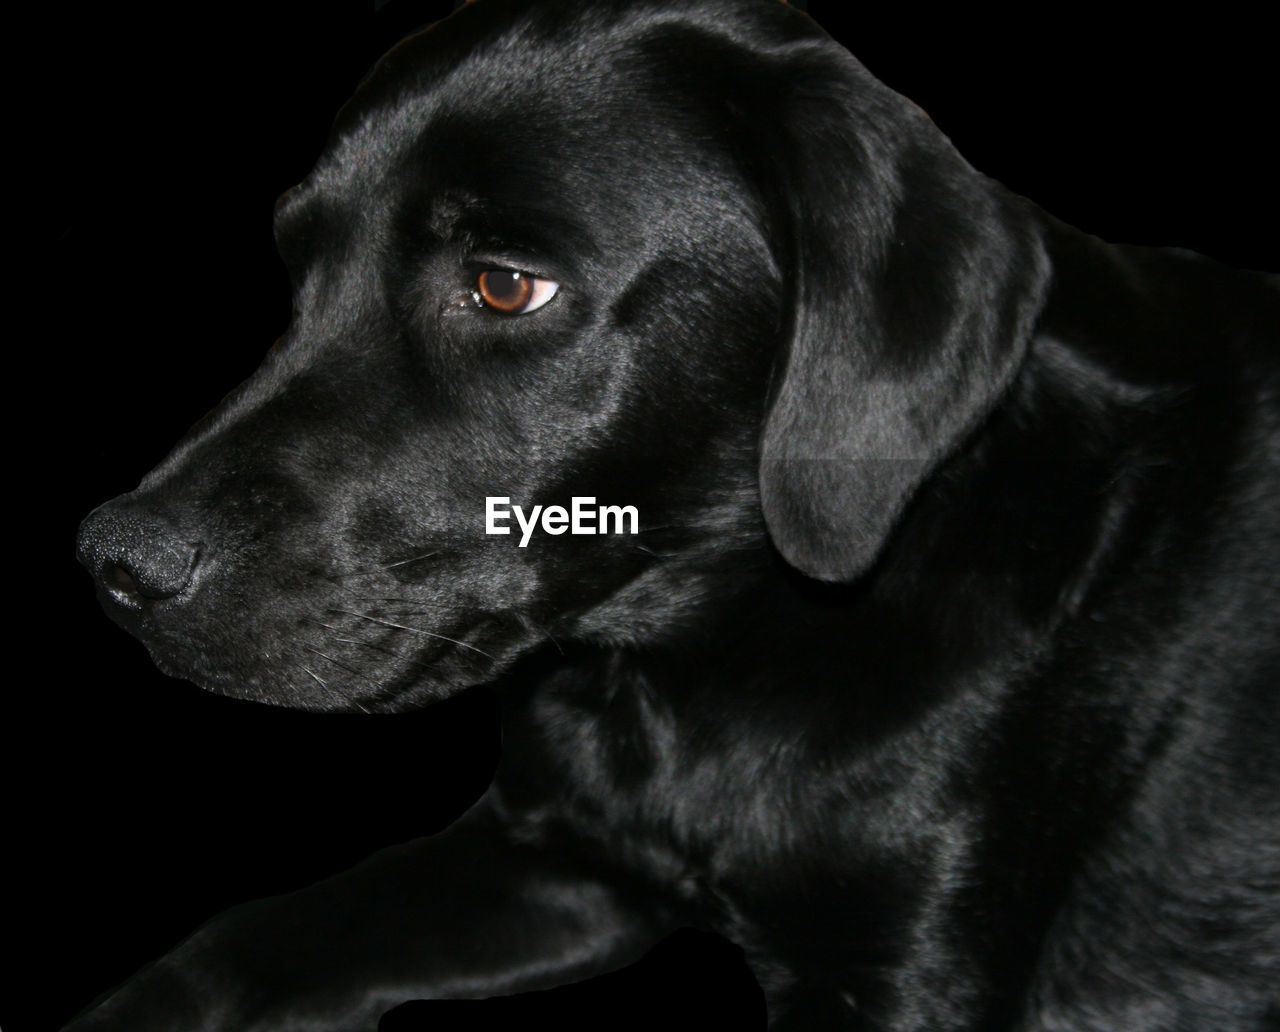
column 298, row 614
column 364, row 654
column 269, row 616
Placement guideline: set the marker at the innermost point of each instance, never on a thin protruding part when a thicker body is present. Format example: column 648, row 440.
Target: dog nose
column 134, row 555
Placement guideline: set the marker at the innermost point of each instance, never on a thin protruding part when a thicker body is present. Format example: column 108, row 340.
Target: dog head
column 689, row 258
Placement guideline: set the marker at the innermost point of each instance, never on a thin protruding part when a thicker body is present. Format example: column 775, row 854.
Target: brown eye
column 513, row 293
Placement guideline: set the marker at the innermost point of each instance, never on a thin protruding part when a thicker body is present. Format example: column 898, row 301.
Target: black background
column 137, row 806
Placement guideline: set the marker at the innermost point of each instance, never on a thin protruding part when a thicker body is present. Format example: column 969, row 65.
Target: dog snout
column 136, row 556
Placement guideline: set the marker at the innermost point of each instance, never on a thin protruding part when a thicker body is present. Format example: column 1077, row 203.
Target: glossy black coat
column 943, row 682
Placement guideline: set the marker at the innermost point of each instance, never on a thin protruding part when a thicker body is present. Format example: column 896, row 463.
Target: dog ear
column 914, row 283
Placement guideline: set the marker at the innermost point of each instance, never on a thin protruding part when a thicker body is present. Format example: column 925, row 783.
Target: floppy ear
column 914, row 285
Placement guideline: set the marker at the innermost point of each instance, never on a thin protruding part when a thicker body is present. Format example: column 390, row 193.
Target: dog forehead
column 596, row 74
column 612, row 122
column 526, row 122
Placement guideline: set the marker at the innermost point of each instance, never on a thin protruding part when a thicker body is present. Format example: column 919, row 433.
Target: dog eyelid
column 513, row 293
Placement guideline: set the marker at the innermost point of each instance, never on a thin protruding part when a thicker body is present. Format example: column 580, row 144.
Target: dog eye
column 513, row 293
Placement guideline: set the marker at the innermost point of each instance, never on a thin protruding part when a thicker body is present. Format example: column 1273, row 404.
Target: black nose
column 135, row 555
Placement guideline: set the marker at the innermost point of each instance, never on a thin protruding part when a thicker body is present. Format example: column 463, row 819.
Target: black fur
column 942, row 677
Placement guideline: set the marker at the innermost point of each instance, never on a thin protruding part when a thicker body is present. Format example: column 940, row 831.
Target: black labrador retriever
column 927, row 643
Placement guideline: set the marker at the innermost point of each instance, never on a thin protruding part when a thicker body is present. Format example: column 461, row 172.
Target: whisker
column 341, row 666
column 319, row 680
column 416, row 630
column 658, row 555
column 319, row 623
column 416, row 665
column 380, row 567
column 406, row 562
column 378, row 648
column 361, row 641
column 342, row 702
column 546, row 633
column 413, row 664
